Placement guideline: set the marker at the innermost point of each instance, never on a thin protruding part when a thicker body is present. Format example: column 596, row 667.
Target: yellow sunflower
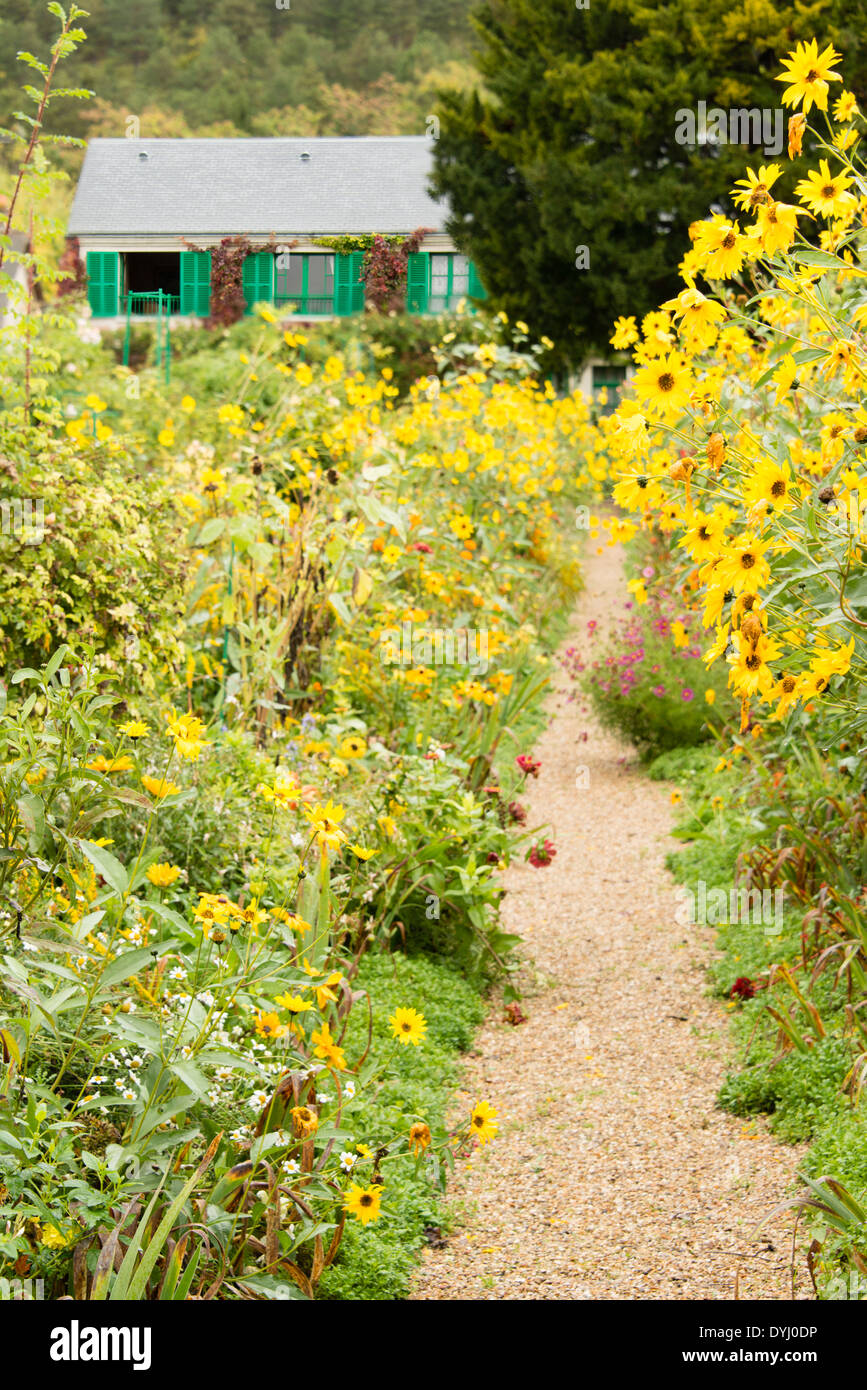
column 743, row 567
column 483, row 1122
column 408, row 1025
column 825, row 194
column 664, row 385
column 363, row 1202
column 808, row 73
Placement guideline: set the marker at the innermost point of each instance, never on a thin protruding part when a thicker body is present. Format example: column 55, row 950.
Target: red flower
column 527, row 764
column 743, row 988
column 422, row 548
column 515, row 1014
column 517, row 812
column 542, row 854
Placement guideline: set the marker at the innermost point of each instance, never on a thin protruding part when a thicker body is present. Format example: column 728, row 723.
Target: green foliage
column 380, row 1268
column 574, row 145
column 345, row 245
column 648, row 681
column 336, row 68
column 805, row 1089
column 107, row 569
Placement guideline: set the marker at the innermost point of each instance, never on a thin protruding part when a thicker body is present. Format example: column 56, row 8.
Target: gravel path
column 613, row 1175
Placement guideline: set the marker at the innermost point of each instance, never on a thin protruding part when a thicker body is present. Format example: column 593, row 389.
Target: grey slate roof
column 256, row 186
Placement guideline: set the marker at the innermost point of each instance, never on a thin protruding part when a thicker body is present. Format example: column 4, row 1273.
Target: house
column 147, row 214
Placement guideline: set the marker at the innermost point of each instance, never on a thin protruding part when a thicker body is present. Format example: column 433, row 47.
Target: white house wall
column 436, row 242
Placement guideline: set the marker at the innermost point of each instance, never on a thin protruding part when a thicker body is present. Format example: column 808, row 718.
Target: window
column 307, row 282
column 449, row 281
column 608, row 378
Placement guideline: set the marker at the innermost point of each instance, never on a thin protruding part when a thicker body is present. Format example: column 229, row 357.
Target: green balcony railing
column 151, row 303
column 160, row 306
column 306, row 303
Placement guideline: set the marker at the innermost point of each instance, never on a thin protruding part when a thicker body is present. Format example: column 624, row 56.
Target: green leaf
column 130, row 963
column 213, row 1058
column 168, row 1112
column 32, row 814
column 812, row 256
column 138, row 1285
column 211, row 530
column 341, row 608
column 105, row 864
column 192, row 1077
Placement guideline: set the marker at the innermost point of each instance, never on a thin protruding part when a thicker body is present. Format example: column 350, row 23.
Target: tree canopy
column 573, row 143
column 314, row 67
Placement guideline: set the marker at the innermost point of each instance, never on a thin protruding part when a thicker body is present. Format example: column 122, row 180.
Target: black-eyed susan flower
column 135, row 728
column 770, row 487
column 211, row 482
column 363, row 1202
column 625, row 332
column 743, row 567
column 699, row 316
column 325, row 821
column 777, row 226
column 755, row 188
column 705, row 537
column 721, row 247
column 353, row 746
column 483, row 1122
column 846, row 107
column 786, row 694
column 664, row 385
column 461, row 526
column 324, row 991
column 826, row 194
column 268, row 1025
column 408, row 1026
column 294, row 1003
column 808, row 73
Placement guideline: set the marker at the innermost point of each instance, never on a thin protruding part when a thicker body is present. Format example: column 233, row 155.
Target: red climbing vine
column 383, row 270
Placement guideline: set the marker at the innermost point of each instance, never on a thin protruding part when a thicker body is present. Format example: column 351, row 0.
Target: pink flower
column 542, row 854
column 529, row 766
column 686, row 693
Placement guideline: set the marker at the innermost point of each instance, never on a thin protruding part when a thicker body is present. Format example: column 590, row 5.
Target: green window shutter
column 356, row 302
column 102, row 278
column 476, row 288
column 196, row 283
column 417, row 282
column 258, row 278
column 348, row 284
